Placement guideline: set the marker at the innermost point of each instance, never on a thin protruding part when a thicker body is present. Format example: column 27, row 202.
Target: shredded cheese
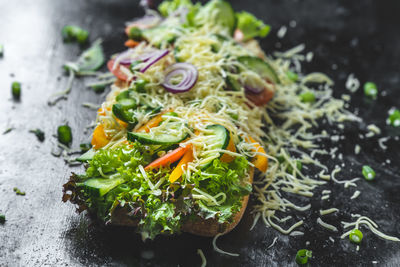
column 327, row 225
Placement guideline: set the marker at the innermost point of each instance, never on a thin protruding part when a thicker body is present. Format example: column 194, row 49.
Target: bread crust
column 201, row 227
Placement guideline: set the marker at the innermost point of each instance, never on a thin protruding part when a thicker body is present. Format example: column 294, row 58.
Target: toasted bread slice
column 201, row 227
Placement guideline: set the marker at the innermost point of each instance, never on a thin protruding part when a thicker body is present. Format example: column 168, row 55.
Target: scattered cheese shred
column 327, row 225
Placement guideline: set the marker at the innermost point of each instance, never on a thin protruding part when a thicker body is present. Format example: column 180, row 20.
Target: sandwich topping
column 198, row 107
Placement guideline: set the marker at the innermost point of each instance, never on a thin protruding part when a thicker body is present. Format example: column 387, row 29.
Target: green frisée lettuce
column 250, row 26
column 148, row 197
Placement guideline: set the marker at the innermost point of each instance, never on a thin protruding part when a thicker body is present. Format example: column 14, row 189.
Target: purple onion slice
column 189, row 75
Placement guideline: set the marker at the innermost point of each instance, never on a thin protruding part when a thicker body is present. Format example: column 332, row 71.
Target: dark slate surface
column 360, row 37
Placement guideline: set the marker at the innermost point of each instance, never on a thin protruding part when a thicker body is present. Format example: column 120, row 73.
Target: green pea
column 307, row 97
column 368, row 172
column 292, row 76
column 135, row 33
column 370, row 90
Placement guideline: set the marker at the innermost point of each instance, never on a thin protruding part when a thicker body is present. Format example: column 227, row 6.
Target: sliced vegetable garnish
column 116, row 71
column 181, row 77
column 148, row 21
column 250, row 26
column 218, row 12
column 100, row 139
column 16, row 90
column 356, row 236
column 85, row 147
column 218, row 138
column 182, row 165
column 2, row 218
column 302, row 256
column 168, row 158
column 135, row 33
column 64, row 134
column 151, row 123
column 371, row 90
column 88, row 155
column 368, row 173
column 307, row 97
column 154, row 59
column 98, row 187
column 260, row 160
column 1, row 50
column 74, row 33
column 39, row 134
column 394, row 118
column 261, row 67
column 168, row 133
column 262, row 98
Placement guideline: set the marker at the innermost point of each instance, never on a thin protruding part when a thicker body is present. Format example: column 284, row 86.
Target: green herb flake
column 18, row 192
column 2, row 218
column 16, row 90
column 64, row 134
column 39, row 134
column 8, row 130
column 371, row 90
column 394, row 118
column 302, row 256
column 368, row 172
column 1, row 50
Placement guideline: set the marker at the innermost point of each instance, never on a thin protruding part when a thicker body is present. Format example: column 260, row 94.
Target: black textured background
column 360, row 37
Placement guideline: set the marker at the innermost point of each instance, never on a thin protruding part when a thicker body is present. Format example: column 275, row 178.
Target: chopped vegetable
column 368, row 172
column 74, row 33
column 2, row 218
column 151, row 123
column 292, row 76
column 302, row 256
column 262, row 98
column 135, row 33
column 188, row 77
column 370, row 90
column 250, row 26
column 167, row 159
column 85, row 147
column 356, row 236
column 1, row 50
column 394, row 118
column 259, row 161
column 131, row 43
column 299, row 166
column 307, row 97
column 89, row 61
column 16, row 90
column 18, row 192
column 140, row 85
column 100, row 138
column 64, row 134
column 178, row 171
column 217, row 12
column 169, row 6
column 39, row 134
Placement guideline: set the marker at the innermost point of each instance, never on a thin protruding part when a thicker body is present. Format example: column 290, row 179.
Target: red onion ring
column 189, row 79
column 154, row 58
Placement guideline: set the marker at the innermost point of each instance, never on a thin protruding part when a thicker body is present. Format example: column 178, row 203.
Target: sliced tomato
column 260, row 99
column 117, row 72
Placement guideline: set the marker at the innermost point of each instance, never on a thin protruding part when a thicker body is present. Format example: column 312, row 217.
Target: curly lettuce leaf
column 250, row 26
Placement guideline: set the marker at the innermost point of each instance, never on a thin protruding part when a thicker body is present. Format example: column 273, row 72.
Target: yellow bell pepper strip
column 169, row 158
column 231, row 147
column 100, row 139
column 178, row 171
column 259, row 161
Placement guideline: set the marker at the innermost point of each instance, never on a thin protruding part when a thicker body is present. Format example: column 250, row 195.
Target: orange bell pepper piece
column 131, row 43
column 231, row 147
column 151, row 123
column 100, row 139
column 259, row 161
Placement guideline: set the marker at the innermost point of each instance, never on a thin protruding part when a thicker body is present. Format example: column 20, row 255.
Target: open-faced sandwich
column 177, row 140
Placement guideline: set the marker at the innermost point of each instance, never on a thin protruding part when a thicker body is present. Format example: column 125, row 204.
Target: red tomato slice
column 260, row 99
column 117, row 72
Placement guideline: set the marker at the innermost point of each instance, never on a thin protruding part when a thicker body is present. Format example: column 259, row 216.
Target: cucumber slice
column 123, row 114
column 233, row 83
column 98, row 187
column 172, row 133
column 261, row 67
column 220, row 140
column 88, row 155
column 123, row 95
